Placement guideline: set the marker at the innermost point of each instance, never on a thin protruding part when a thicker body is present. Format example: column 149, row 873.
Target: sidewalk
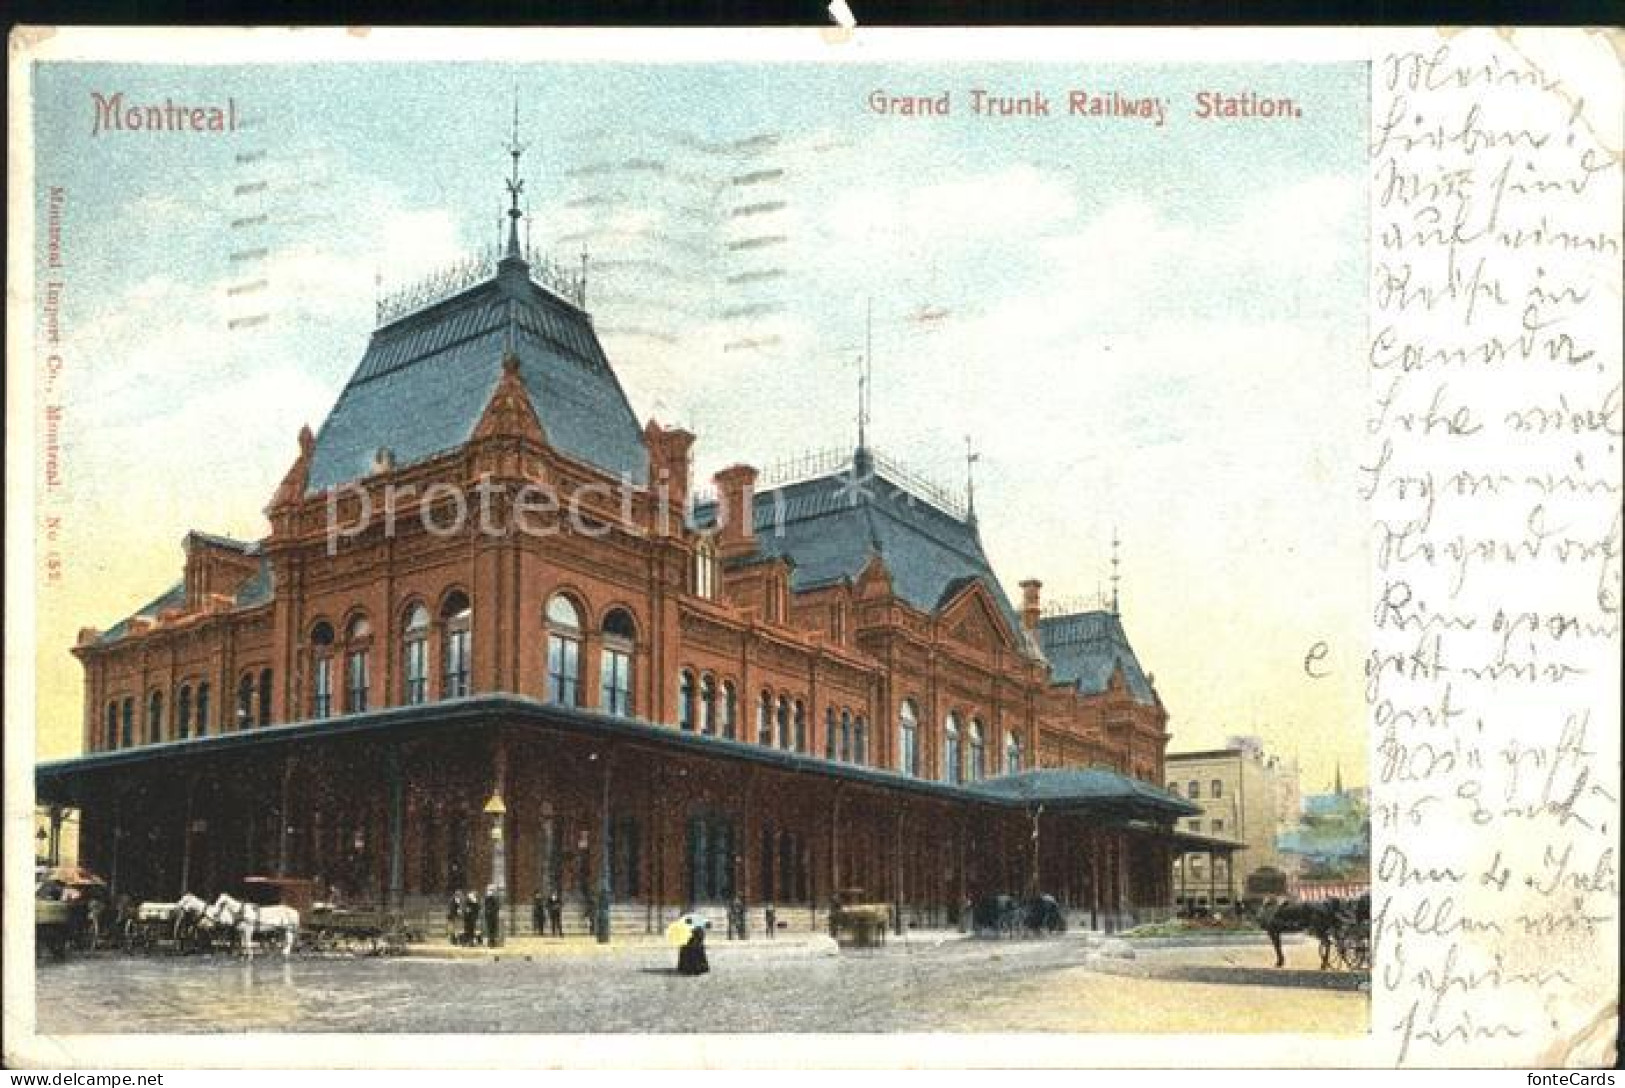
column 530, row 948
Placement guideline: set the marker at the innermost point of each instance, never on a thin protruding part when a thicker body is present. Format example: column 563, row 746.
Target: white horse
column 247, row 918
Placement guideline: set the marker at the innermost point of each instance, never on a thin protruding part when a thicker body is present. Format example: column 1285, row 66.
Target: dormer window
column 705, row 569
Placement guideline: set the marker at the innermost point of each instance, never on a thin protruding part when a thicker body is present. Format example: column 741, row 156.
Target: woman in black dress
column 691, row 957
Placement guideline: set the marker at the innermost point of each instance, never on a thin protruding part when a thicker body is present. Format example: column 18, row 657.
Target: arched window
column 321, row 670
column 1012, row 754
column 764, row 719
column 563, row 651
column 952, row 766
column 908, row 737
column 1194, row 790
column 112, row 725
column 357, row 665
column 615, row 664
column 860, row 741
column 183, row 712
column 832, row 733
column 155, row 717
column 708, row 705
column 685, row 701
column 846, row 736
column 415, row 656
column 801, row 726
column 265, row 697
column 784, row 721
column 245, row 701
column 202, row 714
column 730, row 710
column 127, row 722
column 705, row 569
column 977, row 768
column 457, row 615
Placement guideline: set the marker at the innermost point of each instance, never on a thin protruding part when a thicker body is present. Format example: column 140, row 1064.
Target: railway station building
column 494, row 635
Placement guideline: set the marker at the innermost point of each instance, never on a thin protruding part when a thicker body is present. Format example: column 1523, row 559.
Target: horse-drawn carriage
column 69, row 906
column 1341, row 926
column 356, row 931
column 858, row 924
column 1007, row 916
column 167, row 927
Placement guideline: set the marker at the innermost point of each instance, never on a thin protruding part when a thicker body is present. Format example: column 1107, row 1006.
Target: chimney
column 736, row 509
column 668, row 461
column 1029, row 604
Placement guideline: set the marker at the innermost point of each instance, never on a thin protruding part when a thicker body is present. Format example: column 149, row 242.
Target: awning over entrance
column 1092, row 791
column 1095, row 792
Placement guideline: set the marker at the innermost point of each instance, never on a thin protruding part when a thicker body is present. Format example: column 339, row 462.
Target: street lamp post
column 601, row 915
column 495, row 809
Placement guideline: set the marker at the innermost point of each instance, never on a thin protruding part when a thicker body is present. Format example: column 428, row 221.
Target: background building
column 786, row 692
column 1240, row 789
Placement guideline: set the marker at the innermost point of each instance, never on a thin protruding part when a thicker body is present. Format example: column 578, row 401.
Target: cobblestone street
column 922, row 984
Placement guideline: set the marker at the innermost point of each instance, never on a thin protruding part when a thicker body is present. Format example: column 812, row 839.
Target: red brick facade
column 699, row 629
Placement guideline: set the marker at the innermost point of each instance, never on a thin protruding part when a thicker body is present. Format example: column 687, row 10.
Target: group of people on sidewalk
column 469, row 921
column 547, row 914
column 739, row 920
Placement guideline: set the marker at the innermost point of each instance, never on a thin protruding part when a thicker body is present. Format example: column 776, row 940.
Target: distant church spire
column 516, row 184
column 1337, row 781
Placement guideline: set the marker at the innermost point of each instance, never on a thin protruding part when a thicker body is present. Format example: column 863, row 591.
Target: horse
column 1002, row 914
column 1322, row 918
column 246, row 918
column 189, row 911
column 1043, row 915
column 179, row 921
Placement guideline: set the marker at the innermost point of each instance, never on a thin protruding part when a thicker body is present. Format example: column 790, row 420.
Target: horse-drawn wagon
column 1007, row 916
column 360, row 930
column 69, row 904
column 171, row 927
column 858, row 924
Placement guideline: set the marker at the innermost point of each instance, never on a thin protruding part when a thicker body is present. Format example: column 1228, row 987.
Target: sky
column 1148, row 331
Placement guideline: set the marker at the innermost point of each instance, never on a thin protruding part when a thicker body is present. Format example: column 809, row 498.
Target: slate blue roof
column 829, row 528
column 173, row 597
column 426, row 378
column 1084, row 648
column 257, row 588
column 1086, row 787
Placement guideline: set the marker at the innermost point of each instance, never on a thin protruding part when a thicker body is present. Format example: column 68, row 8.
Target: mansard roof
column 830, row 527
column 427, row 377
column 1085, row 648
column 257, row 588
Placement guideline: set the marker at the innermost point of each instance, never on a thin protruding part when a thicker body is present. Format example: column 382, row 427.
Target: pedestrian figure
column 771, row 917
column 454, row 916
column 493, row 917
column 736, row 919
column 555, row 914
column 691, row 959
column 538, row 913
column 471, row 919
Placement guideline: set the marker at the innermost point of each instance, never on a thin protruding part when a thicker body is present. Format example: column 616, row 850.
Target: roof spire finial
column 862, row 459
column 1116, row 577
column 971, row 457
column 864, row 364
column 516, row 185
